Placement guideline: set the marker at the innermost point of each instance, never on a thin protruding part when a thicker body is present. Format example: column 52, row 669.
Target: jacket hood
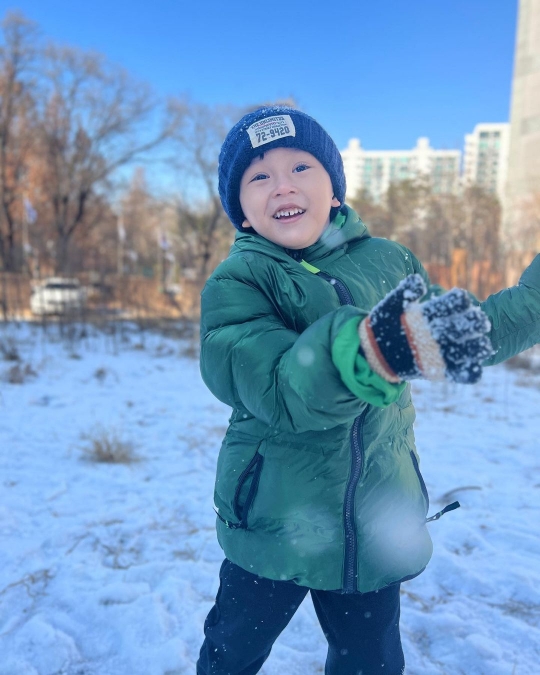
column 345, row 229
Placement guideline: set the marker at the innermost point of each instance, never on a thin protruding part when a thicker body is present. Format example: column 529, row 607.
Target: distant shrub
column 106, row 446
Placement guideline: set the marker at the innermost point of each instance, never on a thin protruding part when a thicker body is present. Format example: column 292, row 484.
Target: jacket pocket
column 420, row 479
column 246, row 489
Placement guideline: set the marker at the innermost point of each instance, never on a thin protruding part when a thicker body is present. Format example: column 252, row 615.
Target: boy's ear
column 246, row 224
column 335, row 202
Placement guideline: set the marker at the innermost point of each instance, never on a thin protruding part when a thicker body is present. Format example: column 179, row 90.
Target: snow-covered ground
column 110, row 569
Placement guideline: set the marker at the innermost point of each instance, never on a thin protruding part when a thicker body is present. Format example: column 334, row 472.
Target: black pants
column 250, row 612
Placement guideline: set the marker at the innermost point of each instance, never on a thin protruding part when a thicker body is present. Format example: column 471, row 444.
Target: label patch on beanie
column 269, row 129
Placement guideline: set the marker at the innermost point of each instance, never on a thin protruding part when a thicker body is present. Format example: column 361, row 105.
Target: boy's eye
column 300, row 167
column 259, row 176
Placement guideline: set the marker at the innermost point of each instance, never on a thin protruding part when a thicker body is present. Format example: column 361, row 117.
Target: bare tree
column 528, row 224
column 205, row 232
column 138, row 227
column 16, row 111
column 434, row 225
column 407, row 204
column 443, row 215
column 95, row 119
column 479, row 228
column 375, row 215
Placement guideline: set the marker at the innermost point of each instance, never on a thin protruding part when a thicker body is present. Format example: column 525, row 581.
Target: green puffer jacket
column 317, row 478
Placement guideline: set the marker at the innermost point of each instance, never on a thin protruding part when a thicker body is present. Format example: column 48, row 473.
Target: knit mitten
column 403, row 339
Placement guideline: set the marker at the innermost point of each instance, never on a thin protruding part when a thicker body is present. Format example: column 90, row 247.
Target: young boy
column 311, row 330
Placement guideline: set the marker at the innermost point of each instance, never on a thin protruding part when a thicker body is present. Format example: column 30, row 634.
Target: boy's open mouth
column 288, row 213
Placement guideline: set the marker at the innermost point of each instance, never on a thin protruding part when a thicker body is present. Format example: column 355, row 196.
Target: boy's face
column 287, row 181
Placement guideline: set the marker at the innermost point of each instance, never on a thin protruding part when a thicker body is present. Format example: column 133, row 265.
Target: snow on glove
column 403, row 339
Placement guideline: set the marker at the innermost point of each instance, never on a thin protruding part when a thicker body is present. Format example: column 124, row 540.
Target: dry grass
column 19, row 373
column 102, row 374
column 34, row 583
column 191, row 350
column 105, row 446
column 528, row 381
column 163, row 350
column 523, row 362
column 8, row 349
column 527, row 368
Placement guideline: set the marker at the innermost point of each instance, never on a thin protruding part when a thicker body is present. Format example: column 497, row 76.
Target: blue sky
column 386, row 72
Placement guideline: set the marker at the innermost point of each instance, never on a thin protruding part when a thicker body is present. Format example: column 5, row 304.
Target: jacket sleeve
column 515, row 315
column 251, row 360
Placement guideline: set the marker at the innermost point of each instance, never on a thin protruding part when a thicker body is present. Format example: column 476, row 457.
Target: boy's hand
column 403, row 339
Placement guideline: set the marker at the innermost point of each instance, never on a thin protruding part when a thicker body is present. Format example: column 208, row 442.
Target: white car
column 57, row 295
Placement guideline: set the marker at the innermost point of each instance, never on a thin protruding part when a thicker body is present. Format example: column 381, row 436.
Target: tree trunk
column 61, row 264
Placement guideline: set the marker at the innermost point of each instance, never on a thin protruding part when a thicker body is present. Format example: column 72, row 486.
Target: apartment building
column 485, row 161
column 523, row 181
column 374, row 170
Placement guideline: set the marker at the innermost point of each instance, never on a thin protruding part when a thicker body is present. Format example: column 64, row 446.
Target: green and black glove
column 403, row 339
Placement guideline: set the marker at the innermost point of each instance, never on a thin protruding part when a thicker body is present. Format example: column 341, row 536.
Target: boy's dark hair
column 265, row 129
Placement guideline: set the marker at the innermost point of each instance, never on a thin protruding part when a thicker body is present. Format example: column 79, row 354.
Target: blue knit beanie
column 265, row 129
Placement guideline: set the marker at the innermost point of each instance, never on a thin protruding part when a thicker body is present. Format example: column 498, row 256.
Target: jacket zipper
column 420, row 478
column 256, row 464
column 245, row 473
column 357, row 465
column 343, row 293
column 357, row 468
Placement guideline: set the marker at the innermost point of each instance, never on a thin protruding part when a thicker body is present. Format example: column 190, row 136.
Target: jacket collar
column 332, row 244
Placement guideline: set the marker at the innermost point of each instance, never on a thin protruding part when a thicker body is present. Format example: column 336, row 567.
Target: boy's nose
column 284, row 187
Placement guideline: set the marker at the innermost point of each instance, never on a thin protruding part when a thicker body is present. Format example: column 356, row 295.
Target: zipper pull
column 450, row 507
column 231, row 526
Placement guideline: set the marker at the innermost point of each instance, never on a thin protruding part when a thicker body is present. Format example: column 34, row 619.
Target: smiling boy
column 286, row 195
column 310, row 331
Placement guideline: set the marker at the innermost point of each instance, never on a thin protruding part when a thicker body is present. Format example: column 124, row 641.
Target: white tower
column 523, row 181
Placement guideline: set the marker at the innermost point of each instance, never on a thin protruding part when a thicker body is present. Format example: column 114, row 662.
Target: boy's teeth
column 288, row 212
